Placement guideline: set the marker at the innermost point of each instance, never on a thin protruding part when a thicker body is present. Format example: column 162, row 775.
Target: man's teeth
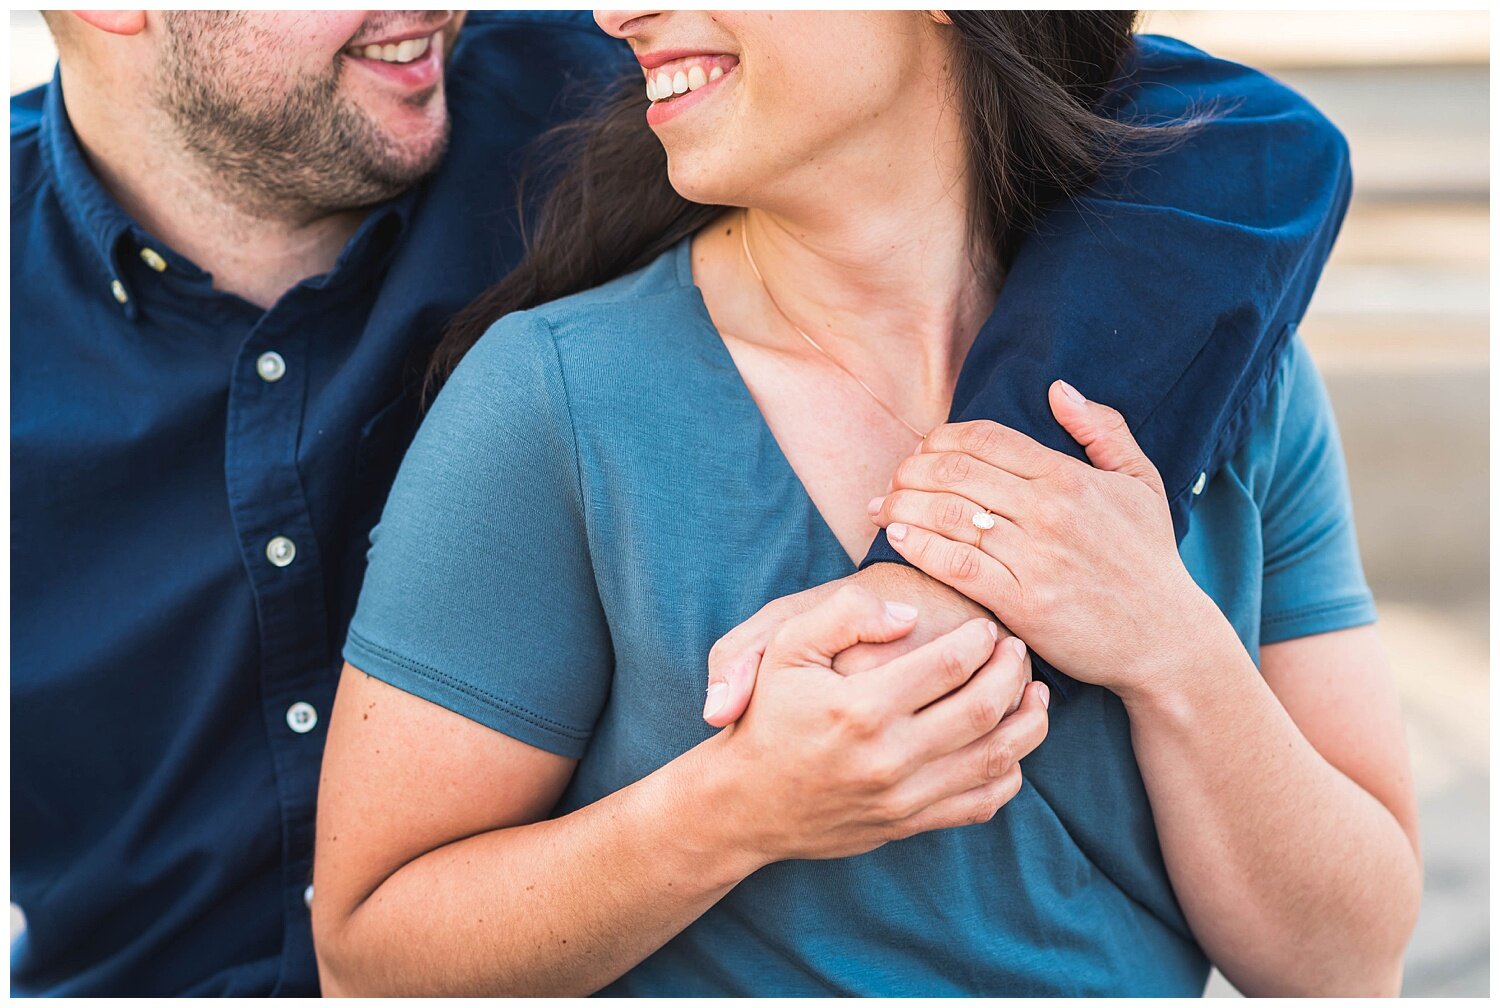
column 669, row 85
column 395, row 52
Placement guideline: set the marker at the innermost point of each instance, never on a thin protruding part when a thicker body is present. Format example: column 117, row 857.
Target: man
column 235, row 238
column 234, row 235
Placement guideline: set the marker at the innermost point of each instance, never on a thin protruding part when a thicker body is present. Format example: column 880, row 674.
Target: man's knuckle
column 857, row 719
column 894, row 807
column 853, row 598
column 880, row 772
column 952, row 670
column 982, row 811
column 999, row 757
column 984, row 714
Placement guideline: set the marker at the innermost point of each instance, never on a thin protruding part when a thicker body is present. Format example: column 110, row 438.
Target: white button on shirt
column 270, row 366
column 307, row 897
column 301, row 717
column 281, row 551
column 1201, row 482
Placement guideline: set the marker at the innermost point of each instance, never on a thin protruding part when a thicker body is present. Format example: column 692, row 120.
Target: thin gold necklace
column 745, row 244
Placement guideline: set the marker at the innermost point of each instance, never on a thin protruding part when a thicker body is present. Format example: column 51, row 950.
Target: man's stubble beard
column 303, row 153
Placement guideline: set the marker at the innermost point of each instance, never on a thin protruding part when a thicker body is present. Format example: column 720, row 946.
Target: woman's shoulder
column 624, row 304
column 614, row 346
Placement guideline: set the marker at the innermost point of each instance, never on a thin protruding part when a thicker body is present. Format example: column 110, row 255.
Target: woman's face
column 756, row 105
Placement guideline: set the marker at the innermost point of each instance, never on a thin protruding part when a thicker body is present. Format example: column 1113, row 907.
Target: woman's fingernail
column 1071, row 392
column 901, row 612
column 874, row 506
column 992, row 628
column 715, row 699
column 895, row 532
column 1045, row 694
column 1016, row 648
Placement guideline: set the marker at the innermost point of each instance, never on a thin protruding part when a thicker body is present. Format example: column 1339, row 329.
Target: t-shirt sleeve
column 480, row 594
column 1313, row 581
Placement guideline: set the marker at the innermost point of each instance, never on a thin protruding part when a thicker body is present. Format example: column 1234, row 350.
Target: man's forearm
column 1294, row 879
column 559, row 907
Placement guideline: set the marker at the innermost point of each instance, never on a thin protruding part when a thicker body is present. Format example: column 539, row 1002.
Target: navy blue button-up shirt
column 194, row 479
column 189, row 521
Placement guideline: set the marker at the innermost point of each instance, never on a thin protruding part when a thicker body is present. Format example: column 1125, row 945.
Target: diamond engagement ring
column 983, row 521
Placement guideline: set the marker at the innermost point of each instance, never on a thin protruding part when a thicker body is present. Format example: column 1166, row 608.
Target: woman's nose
column 624, row 24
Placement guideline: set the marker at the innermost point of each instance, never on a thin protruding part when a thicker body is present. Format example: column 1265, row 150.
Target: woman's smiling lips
column 679, row 79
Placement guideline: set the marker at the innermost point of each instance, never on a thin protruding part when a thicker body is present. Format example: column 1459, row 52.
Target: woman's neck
column 892, row 293
column 898, row 287
column 879, row 268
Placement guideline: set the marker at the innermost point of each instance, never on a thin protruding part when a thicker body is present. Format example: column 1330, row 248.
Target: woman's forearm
column 1293, row 877
column 559, row 907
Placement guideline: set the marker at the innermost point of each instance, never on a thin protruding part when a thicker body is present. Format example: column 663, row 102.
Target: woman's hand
column 1081, row 561
column 834, row 765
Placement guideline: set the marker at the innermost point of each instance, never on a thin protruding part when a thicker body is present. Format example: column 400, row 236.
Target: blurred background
column 1400, row 329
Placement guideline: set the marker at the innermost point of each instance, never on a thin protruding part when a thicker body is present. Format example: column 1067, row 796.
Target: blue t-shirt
column 594, row 499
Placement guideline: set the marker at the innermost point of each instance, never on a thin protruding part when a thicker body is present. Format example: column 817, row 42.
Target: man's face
column 323, row 110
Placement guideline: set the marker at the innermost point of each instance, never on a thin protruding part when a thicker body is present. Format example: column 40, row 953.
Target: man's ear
column 116, row 22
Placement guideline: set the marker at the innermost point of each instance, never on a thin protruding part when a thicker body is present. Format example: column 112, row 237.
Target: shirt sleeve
column 1313, row 581
column 1170, row 288
column 480, row 594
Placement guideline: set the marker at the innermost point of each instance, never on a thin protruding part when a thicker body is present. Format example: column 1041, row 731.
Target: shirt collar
column 101, row 222
column 93, row 213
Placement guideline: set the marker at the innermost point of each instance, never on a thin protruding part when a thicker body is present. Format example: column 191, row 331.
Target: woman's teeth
column 663, row 85
column 395, row 52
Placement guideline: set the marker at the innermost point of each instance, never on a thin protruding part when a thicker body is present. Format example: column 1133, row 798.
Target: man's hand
column 734, row 659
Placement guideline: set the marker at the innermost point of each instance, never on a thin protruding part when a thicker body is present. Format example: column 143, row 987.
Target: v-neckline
column 684, row 263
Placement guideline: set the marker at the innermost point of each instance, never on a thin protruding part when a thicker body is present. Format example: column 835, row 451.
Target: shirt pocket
column 383, row 440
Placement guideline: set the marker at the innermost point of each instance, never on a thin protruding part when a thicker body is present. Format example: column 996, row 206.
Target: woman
column 516, row 770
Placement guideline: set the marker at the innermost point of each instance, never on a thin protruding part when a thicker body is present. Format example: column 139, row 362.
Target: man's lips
column 413, row 63
column 404, row 35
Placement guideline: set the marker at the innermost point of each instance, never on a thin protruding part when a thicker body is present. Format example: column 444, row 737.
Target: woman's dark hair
column 1029, row 85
